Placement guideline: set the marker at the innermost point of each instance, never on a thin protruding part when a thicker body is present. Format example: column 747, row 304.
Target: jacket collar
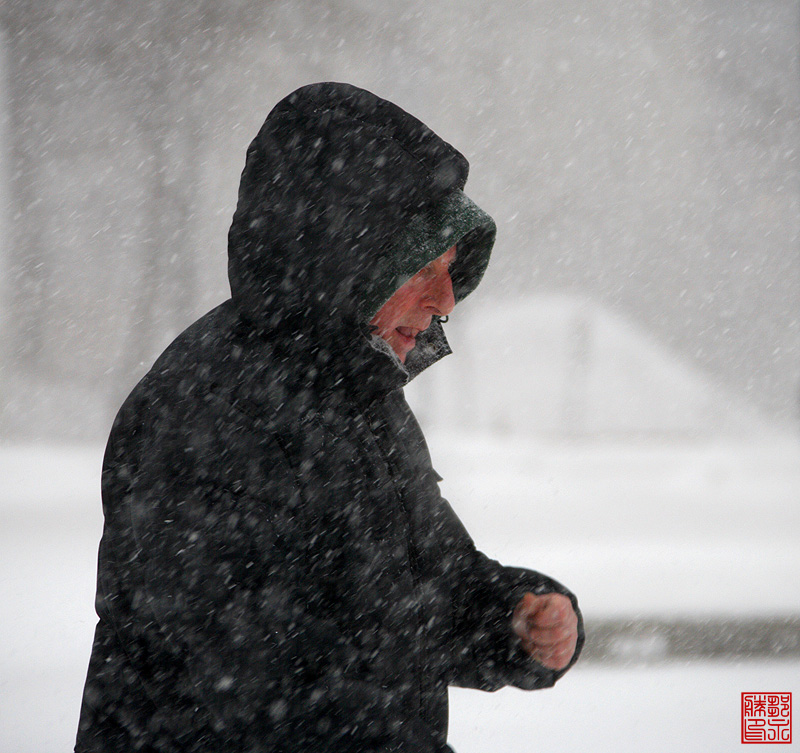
column 299, row 371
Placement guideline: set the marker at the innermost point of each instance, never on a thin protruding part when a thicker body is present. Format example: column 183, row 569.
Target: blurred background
column 622, row 410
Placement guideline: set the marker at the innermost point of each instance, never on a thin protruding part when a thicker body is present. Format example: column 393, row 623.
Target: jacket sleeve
column 486, row 653
column 213, row 579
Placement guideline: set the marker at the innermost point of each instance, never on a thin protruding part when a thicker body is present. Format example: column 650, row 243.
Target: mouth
column 408, row 334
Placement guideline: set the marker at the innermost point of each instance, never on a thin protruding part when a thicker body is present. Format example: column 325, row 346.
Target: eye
column 427, row 272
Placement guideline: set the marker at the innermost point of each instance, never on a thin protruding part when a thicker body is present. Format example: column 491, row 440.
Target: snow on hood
column 344, row 196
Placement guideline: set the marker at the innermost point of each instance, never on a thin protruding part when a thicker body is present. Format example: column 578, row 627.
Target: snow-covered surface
column 635, row 530
column 685, row 708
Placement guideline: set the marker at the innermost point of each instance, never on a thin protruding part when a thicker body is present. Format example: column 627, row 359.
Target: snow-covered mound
column 560, row 365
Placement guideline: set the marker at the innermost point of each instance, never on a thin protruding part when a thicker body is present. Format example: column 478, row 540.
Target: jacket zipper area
column 371, row 427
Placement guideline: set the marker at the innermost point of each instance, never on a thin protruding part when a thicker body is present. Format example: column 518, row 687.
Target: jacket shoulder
column 209, row 382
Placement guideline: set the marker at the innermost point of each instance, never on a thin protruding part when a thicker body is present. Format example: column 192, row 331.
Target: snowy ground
column 690, row 708
column 658, row 530
column 640, row 530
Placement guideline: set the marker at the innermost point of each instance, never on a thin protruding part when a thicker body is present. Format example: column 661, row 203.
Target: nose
column 440, row 299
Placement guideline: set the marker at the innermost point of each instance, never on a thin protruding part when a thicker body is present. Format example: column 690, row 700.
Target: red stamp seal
column 767, row 718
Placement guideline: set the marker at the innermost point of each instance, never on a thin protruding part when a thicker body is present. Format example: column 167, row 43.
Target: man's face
column 410, row 310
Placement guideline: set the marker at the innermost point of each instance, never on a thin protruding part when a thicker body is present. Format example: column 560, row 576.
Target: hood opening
column 456, row 220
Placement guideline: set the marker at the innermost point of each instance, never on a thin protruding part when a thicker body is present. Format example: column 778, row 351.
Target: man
column 278, row 571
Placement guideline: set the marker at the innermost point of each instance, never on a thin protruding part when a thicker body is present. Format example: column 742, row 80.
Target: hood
column 343, row 197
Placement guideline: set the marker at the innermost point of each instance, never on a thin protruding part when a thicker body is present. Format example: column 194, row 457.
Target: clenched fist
column 547, row 626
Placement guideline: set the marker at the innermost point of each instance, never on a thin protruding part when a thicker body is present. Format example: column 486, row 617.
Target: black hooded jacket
column 278, row 571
